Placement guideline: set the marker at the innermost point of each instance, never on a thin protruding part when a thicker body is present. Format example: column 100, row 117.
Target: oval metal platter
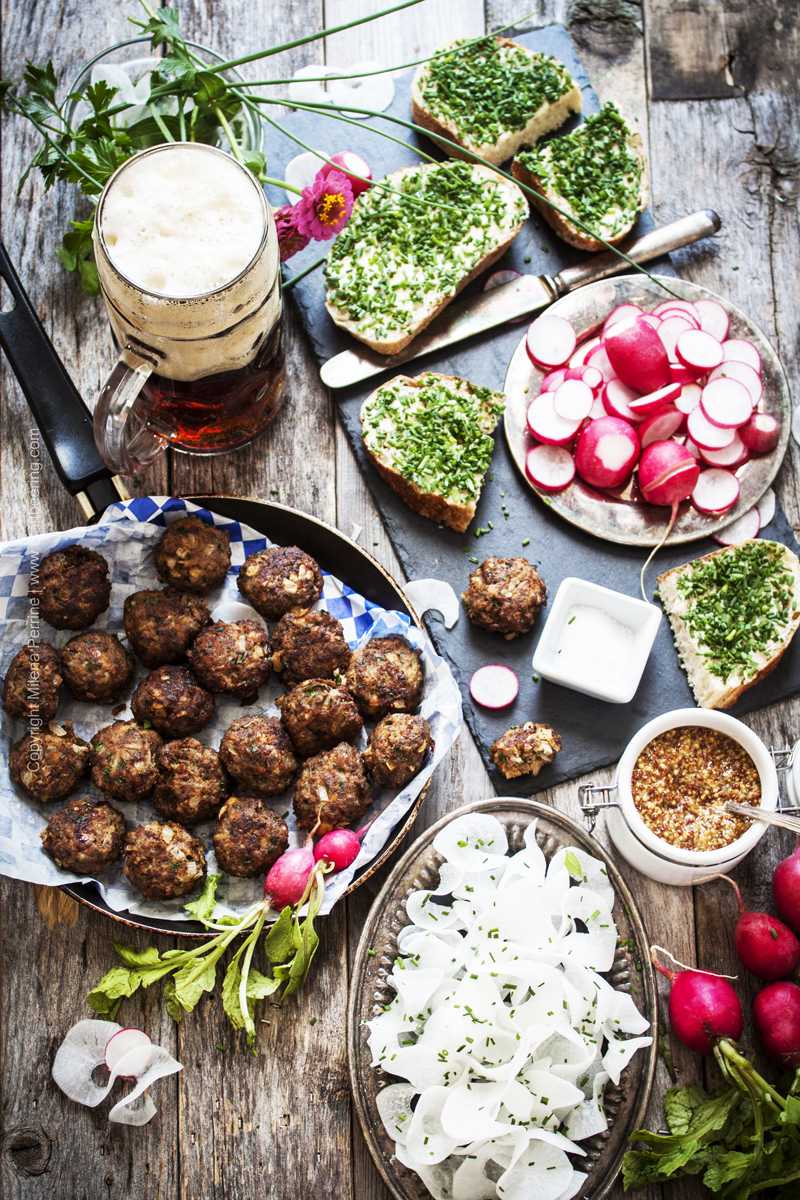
column 622, row 518
column 369, row 991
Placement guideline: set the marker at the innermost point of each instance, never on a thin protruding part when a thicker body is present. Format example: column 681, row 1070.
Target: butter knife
column 524, row 295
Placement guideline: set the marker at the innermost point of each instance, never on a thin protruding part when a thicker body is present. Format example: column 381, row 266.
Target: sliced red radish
column 301, row 171
column 671, row 329
column 354, row 167
column 494, row 686
column 617, row 399
column 597, row 357
column 598, row 408
column 637, row 355
column 695, row 451
column 716, row 491
column 684, row 306
column 651, row 319
column 689, row 398
column 573, row 400
column 726, row 403
column 645, row 406
column 680, row 373
column 583, row 351
column 660, row 426
column 550, row 468
column 129, row 1050
column 741, row 530
column 731, row 456
column 553, row 379
column 500, row 278
column 593, row 376
column 606, row 452
column 740, row 350
column 550, row 341
column 434, row 595
column 713, row 318
column 621, row 313
column 698, row 350
column 743, row 374
column 546, row 425
column 761, row 434
column 706, row 435
column 766, row 508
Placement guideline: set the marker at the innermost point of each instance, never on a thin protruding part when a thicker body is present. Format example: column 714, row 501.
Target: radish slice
column 550, row 341
column 680, row 373
column 500, row 278
column 741, row 530
column 670, row 330
column 695, row 451
column 584, row 350
column 598, row 409
column 354, row 167
column 660, row 426
column 716, row 491
column 620, row 313
column 766, row 508
column 597, row 357
column 645, row 406
column 545, row 424
column 689, row 398
column 494, row 686
column 305, row 87
column 435, row 595
column 739, row 350
column 617, row 399
column 651, row 319
column 698, row 350
column 553, row 379
column 743, row 374
column 761, row 434
column 706, row 435
column 573, row 400
column 301, row 171
column 132, row 1045
column 135, row 1108
column 729, row 456
column 713, row 318
column 726, row 403
column 593, row 376
column 375, row 92
column 550, row 468
column 681, row 306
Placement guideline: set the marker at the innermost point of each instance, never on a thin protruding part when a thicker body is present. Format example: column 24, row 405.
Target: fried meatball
column 386, row 676
column 85, row 836
column 73, row 587
column 32, row 686
column 249, row 836
column 163, row 860
column 505, row 595
column 174, row 703
column 193, row 555
column 309, row 644
column 124, row 760
column 96, row 666
column 232, row 657
column 398, row 746
column 318, row 714
column 48, row 765
column 280, row 578
column 257, row 752
column 161, row 626
column 332, row 789
column 191, row 782
column 525, row 749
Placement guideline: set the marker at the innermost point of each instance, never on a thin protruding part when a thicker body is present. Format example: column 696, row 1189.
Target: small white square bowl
column 641, row 617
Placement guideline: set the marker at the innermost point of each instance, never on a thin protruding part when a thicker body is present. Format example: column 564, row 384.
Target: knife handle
column 651, row 245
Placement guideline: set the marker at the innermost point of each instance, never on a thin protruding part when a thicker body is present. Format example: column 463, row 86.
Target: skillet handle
column 63, row 418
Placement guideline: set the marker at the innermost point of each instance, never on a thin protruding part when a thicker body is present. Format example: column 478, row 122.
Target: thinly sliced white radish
column 726, row 403
column 761, row 434
column 300, row 172
column 617, row 399
column 546, row 425
column 744, row 374
column 553, row 379
column 583, row 351
column 766, row 508
column 645, row 406
column 713, row 318
column 593, row 376
column 716, row 491
column 660, row 426
column 367, row 90
column 435, row 595
column 684, row 306
column 689, row 398
column 670, row 330
column 551, row 341
column 305, row 87
column 136, row 1108
column 494, row 686
column 573, row 400
column 550, row 468
column 731, row 456
column 698, row 350
column 680, row 373
column 597, row 357
column 500, row 278
column 741, row 530
column 706, row 435
column 740, row 350
column 132, row 1045
column 620, row 313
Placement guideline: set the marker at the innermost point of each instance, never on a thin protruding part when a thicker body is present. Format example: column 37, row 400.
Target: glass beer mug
column 187, row 257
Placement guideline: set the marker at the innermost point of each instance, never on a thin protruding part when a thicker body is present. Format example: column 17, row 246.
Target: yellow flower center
column 330, row 208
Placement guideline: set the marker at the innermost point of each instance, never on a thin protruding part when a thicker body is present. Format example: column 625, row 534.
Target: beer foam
column 183, row 221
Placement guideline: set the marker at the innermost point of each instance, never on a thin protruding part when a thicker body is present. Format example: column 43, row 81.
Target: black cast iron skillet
column 66, row 426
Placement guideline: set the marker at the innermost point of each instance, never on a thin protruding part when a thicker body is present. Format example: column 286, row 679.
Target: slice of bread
column 742, row 571
column 596, row 174
column 411, row 246
column 431, row 439
column 491, row 97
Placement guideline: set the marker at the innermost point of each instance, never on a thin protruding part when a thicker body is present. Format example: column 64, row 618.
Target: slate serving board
column 593, row 733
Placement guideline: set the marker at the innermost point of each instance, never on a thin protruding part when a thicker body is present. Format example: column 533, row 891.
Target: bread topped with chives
column 491, row 96
column 733, row 615
column 595, row 174
column 412, row 245
column 431, row 438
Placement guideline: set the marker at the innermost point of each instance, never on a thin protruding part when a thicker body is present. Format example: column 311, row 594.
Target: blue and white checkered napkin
column 127, row 534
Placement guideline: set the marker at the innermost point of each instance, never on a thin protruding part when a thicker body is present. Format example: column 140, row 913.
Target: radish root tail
column 727, row 879
column 655, row 550
column 656, row 950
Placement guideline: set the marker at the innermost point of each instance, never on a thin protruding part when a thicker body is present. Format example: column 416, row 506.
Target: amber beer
column 187, row 256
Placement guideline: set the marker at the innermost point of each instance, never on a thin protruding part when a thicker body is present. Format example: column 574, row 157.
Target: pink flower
column 324, row 208
column 290, row 239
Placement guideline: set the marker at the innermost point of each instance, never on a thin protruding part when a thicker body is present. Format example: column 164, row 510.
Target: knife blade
column 524, row 295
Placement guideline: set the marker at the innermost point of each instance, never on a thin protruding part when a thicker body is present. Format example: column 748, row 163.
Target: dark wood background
column 712, row 86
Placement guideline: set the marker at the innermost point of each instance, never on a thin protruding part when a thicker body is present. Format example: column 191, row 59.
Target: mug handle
column 126, row 440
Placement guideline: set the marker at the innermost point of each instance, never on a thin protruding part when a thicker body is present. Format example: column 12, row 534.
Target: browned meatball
column 257, row 752
column 163, row 860
column 398, row 747
column 193, row 555
column 249, row 836
column 32, row 686
column 72, row 588
column 525, row 749
column 191, row 782
column 161, row 625
column 332, row 790
column 124, row 760
column 174, row 703
column 386, row 676
column 48, row 765
column 280, row 578
column 232, row 657
column 85, row 836
column 505, row 595
column 97, row 667
column 318, row 714
column 309, row 644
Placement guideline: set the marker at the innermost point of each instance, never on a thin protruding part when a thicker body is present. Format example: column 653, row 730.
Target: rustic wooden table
column 710, row 84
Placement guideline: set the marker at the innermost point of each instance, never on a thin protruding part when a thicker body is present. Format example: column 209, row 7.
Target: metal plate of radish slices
column 624, row 399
